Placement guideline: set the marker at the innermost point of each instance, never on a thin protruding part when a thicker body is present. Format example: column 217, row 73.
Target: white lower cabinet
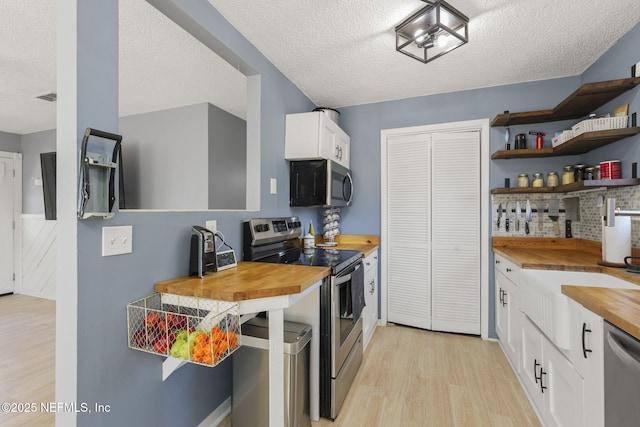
column 587, row 356
column 565, row 387
column 554, row 386
column 370, row 312
column 508, row 317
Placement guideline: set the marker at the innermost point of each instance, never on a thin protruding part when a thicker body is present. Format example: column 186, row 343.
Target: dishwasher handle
column 627, row 349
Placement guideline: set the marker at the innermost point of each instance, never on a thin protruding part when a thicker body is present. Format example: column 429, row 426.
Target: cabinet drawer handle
column 497, row 261
column 373, row 284
column 542, row 387
column 508, row 270
column 535, row 371
column 501, row 296
column 585, row 350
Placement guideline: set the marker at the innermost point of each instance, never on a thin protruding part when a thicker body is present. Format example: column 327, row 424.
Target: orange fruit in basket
column 207, row 359
column 217, row 336
column 201, row 338
column 232, row 338
column 221, row 347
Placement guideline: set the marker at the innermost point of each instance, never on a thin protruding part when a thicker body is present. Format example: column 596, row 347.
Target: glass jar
column 567, row 175
column 596, row 172
column 523, row 180
column 538, row 180
column 589, row 173
column 552, row 179
column 578, row 172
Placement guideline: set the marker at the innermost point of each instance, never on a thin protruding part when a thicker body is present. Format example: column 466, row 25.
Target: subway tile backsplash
column 589, row 226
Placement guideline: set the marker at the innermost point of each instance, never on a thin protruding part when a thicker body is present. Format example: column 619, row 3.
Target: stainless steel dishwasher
column 621, row 378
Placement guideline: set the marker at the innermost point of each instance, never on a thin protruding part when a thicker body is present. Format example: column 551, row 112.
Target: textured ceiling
column 339, row 53
column 342, row 53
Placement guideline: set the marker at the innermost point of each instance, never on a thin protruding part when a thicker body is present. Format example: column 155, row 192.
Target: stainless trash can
column 250, row 398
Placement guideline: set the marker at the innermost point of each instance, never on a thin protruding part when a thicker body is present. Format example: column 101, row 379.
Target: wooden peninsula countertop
column 251, row 280
column 620, row 307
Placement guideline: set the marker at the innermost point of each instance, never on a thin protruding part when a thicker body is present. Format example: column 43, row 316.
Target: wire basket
column 198, row 330
column 603, row 123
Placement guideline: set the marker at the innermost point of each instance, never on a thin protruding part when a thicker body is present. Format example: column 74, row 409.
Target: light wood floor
column 411, row 377
column 27, row 360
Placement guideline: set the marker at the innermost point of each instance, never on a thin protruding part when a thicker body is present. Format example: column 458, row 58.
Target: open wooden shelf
column 580, row 103
column 568, row 188
column 581, row 144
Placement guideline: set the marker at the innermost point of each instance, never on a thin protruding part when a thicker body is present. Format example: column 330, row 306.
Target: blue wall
column 130, row 381
column 108, row 371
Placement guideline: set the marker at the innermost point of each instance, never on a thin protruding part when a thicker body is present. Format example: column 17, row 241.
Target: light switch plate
column 274, row 186
column 211, row 225
column 117, row 240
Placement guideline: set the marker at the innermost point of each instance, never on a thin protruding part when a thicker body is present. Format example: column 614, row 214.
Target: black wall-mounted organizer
column 96, row 180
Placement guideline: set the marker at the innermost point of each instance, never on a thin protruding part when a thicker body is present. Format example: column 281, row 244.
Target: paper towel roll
column 616, row 241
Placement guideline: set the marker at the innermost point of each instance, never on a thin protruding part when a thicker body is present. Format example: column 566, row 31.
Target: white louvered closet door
column 455, row 232
column 408, row 232
column 433, row 231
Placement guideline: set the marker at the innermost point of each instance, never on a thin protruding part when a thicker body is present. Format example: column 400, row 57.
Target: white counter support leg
column 276, row 368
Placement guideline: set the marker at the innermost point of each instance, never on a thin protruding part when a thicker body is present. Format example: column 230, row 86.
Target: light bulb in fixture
column 443, row 40
column 418, row 33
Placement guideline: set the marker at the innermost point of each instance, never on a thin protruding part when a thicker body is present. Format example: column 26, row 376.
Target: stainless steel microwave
column 319, row 183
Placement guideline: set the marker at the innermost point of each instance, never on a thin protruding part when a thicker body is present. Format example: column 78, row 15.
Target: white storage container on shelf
column 603, row 123
column 562, row 138
column 198, row 330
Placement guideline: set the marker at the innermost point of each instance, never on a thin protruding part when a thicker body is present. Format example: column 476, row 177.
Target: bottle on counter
column 552, row 179
column 538, row 180
column 568, row 176
column 523, row 180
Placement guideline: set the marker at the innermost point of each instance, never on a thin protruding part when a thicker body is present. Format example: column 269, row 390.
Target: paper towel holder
column 612, row 212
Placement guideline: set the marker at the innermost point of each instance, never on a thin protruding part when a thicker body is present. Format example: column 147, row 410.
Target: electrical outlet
column 211, row 225
column 117, row 240
column 274, row 186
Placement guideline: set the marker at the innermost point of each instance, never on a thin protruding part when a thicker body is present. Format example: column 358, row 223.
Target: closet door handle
column 585, row 350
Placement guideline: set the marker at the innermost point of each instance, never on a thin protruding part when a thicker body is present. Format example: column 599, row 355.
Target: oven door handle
column 342, row 279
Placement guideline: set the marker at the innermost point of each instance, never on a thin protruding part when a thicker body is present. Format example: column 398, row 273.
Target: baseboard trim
column 44, row 295
column 218, row 415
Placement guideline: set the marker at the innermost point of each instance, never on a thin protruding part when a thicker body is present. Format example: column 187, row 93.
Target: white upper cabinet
column 315, row 136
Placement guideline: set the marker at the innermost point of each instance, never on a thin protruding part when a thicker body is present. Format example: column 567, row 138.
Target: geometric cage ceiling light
column 434, row 30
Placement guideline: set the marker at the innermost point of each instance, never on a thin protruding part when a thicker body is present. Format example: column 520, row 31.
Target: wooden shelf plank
column 528, row 153
column 581, row 144
column 580, row 103
column 568, row 188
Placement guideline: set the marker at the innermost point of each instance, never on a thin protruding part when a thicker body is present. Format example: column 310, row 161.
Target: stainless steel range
column 277, row 240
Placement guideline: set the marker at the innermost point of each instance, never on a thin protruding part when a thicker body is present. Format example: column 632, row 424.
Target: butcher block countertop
column 355, row 242
column 249, row 280
column 620, row 307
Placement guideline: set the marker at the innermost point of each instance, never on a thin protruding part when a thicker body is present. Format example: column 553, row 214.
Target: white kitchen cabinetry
column 587, row 357
column 507, row 309
column 315, row 136
column 554, row 386
column 370, row 312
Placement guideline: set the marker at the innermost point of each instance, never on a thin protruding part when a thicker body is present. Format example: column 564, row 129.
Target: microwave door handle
column 348, row 177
